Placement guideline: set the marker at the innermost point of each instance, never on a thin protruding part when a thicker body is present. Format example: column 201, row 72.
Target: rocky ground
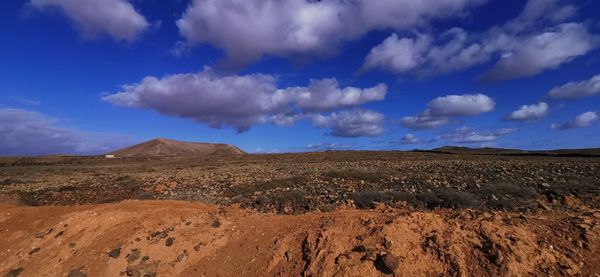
column 311, row 214
column 297, row 183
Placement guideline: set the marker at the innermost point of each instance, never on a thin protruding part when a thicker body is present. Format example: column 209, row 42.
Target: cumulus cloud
column 423, row 57
column 576, row 90
column 466, row 104
column 237, row 101
column 441, row 109
column 24, row 132
column 529, row 112
column 524, row 45
column 248, row 29
column 325, row 95
column 116, row 18
column 583, row 120
column 524, row 56
column 409, row 139
column 240, row 101
column 351, row 123
column 470, row 135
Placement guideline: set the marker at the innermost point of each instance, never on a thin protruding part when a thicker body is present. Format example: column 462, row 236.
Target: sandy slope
column 169, row 147
column 192, row 239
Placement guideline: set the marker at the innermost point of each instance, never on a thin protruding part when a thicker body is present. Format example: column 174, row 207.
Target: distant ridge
column 169, row 147
column 585, row 152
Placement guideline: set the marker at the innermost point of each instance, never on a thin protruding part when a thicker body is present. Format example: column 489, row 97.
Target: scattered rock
column 159, row 235
column 387, row 243
column 42, row 234
column 34, row 250
column 182, row 257
column 359, row 248
column 14, row 272
column 77, row 273
column 59, row 234
column 369, row 256
column 169, row 241
column 134, row 255
column 546, row 185
column 115, row 253
column 142, row 270
column 387, row 263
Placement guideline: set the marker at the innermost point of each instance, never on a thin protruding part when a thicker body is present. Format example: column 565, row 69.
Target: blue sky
column 89, row 76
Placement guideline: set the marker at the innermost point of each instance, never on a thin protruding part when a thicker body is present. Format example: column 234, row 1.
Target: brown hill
column 168, row 147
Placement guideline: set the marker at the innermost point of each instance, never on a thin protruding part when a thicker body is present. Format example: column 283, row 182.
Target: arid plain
column 446, row 212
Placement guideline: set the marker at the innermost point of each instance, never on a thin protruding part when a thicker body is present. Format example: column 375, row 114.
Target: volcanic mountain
column 169, row 147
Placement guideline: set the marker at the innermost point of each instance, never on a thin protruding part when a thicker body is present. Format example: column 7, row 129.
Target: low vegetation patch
column 434, row 199
column 506, row 196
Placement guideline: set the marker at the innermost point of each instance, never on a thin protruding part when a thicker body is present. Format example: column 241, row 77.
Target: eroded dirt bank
column 169, row 238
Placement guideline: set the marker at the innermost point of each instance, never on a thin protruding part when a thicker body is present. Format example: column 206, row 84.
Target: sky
column 91, row 76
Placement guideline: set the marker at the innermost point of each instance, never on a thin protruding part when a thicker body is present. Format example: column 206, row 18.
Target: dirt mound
column 168, row 147
column 171, row 238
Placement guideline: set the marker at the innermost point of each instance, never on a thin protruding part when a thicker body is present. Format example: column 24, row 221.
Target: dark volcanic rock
column 169, row 241
column 134, row 255
column 14, row 272
column 77, row 273
column 115, row 253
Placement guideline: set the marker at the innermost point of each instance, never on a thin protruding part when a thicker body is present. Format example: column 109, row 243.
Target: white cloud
column 524, row 46
column 409, row 139
column 466, row 104
column 529, row 112
column 325, row 94
column 239, row 101
column 398, row 55
column 583, row 120
column 116, row 18
column 524, row 56
column 470, row 135
column 248, row 29
column 424, row 121
column 351, row 123
column 24, row 132
column 576, row 90
column 421, row 55
column 441, row 109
